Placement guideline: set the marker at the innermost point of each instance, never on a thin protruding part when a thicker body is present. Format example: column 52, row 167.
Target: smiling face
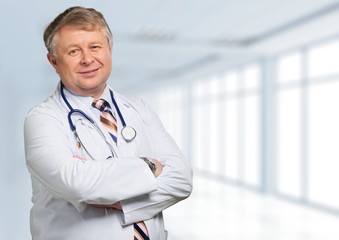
column 83, row 60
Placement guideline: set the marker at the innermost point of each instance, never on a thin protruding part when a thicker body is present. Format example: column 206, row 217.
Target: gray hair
column 83, row 18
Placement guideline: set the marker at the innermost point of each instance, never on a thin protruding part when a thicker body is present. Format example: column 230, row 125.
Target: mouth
column 89, row 73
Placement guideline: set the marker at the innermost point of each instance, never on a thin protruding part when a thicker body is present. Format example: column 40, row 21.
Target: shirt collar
column 88, row 100
column 106, row 95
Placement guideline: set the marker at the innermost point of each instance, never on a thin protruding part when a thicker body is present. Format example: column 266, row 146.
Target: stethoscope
column 128, row 133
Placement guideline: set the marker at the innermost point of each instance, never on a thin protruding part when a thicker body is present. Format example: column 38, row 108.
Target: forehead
column 69, row 35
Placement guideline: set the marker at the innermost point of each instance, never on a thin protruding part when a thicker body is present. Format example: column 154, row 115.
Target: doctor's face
column 83, row 60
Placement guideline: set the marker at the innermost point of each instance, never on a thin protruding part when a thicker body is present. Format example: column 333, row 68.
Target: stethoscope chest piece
column 128, row 133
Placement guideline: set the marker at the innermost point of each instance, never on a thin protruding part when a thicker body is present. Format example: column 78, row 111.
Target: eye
column 73, row 52
column 95, row 47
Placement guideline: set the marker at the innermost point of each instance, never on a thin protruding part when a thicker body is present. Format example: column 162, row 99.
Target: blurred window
column 324, row 60
column 289, row 68
column 307, row 129
column 229, row 106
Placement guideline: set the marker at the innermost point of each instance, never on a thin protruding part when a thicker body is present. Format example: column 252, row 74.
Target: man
column 102, row 165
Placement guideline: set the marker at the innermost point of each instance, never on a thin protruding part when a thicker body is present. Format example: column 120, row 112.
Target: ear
column 52, row 60
column 110, row 47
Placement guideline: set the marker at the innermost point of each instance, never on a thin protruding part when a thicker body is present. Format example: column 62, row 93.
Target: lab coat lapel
column 126, row 112
column 127, row 149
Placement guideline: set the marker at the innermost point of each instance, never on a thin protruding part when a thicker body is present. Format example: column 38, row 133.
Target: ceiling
column 161, row 41
column 157, row 41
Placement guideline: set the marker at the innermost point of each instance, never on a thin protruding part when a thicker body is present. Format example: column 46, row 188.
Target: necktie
column 110, row 122
column 140, row 231
column 106, row 117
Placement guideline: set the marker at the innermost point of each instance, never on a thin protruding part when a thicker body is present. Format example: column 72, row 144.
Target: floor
column 218, row 211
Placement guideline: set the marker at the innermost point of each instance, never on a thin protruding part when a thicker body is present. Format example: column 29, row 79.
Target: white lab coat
column 66, row 180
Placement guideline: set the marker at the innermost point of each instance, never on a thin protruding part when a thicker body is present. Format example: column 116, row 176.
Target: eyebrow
column 78, row 45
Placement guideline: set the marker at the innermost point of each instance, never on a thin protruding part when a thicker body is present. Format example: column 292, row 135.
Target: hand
column 158, row 166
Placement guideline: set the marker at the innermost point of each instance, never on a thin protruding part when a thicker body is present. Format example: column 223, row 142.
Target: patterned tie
column 140, row 231
column 106, row 117
column 109, row 121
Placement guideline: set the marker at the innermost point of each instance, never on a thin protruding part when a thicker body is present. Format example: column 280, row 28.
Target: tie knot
column 100, row 104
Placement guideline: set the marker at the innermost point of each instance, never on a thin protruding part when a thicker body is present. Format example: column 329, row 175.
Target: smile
column 90, row 73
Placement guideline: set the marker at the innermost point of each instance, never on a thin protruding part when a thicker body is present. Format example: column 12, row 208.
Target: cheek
column 68, row 67
column 107, row 57
column 108, row 61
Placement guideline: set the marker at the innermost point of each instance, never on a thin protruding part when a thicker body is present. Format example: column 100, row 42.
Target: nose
column 86, row 58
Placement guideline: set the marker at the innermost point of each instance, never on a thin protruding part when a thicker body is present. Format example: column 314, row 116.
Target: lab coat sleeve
column 50, row 159
column 175, row 181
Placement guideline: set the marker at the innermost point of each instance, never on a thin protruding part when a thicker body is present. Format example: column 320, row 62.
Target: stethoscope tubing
column 72, row 110
column 118, row 110
column 73, row 128
column 128, row 133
